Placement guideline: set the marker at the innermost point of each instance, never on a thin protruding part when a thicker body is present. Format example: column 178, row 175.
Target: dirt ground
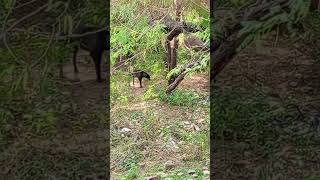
column 284, row 73
column 154, row 150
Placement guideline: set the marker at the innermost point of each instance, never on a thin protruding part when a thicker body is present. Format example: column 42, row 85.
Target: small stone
column 163, row 175
column 180, row 174
column 125, row 130
column 142, row 165
column 169, row 165
column 293, row 84
column 298, row 76
column 172, row 144
column 206, row 172
column 196, row 128
column 186, row 122
column 200, row 121
column 152, row 178
column 191, row 172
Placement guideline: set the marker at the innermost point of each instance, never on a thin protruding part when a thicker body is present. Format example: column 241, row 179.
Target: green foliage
column 5, row 116
column 132, row 34
column 5, row 6
column 29, row 69
column 180, row 98
column 131, row 164
column 239, row 115
column 232, row 3
column 43, row 122
column 312, row 25
column 120, row 92
column 314, row 17
column 314, row 178
column 256, row 29
column 133, row 172
column 232, row 112
column 152, row 92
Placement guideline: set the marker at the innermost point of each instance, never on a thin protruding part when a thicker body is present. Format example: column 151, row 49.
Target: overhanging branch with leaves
column 249, row 24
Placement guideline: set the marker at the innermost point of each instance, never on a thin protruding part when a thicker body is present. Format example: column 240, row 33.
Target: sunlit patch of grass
column 153, row 130
column 119, row 89
column 155, row 121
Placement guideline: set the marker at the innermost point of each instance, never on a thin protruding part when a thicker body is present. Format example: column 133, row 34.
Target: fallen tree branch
column 179, row 77
column 58, row 37
column 178, row 28
column 225, row 49
column 192, row 42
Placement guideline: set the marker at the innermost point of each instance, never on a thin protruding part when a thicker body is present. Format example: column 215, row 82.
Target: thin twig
column 46, row 50
column 16, row 59
column 24, row 4
column 24, row 18
column 6, row 20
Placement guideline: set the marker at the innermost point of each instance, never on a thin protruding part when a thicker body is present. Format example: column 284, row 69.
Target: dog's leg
column 106, row 64
column 96, row 56
column 74, row 60
column 133, row 80
column 140, row 78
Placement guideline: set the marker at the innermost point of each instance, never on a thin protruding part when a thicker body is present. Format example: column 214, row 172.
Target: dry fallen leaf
column 200, row 121
column 195, row 127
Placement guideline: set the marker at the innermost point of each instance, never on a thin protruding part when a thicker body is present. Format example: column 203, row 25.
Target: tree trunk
column 315, row 4
column 173, row 60
column 175, row 80
column 174, row 53
column 168, row 48
column 174, row 46
column 177, row 5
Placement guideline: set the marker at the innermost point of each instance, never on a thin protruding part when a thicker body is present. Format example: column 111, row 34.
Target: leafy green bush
column 180, row 97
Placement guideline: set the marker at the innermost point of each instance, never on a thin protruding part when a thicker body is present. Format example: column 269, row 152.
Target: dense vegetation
column 154, row 134
column 39, row 112
column 265, row 105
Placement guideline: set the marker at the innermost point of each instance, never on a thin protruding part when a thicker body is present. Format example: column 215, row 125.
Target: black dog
column 95, row 43
column 140, row 74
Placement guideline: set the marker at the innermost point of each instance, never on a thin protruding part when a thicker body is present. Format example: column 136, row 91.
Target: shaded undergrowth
column 257, row 135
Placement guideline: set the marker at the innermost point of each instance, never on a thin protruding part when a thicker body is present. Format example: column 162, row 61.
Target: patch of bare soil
column 86, row 92
column 197, row 82
column 136, row 89
column 281, row 69
column 284, row 73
